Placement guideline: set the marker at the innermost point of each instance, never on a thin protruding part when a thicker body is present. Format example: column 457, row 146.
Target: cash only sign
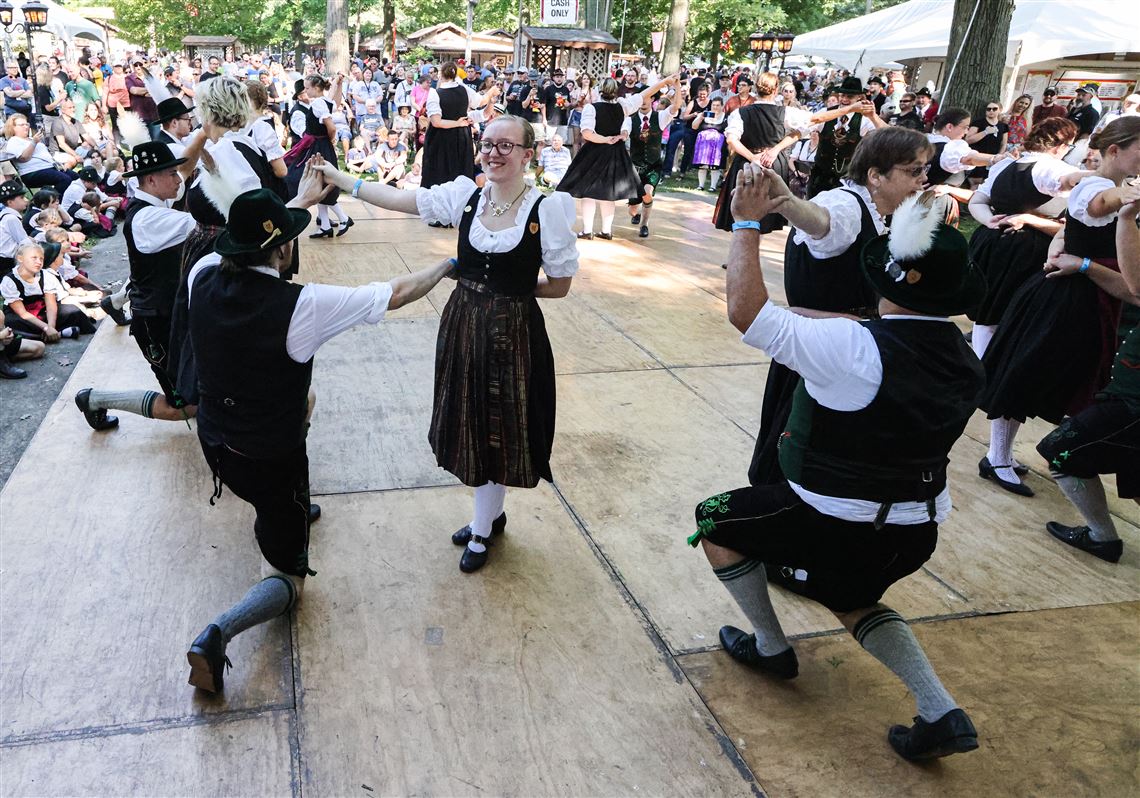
column 559, row 12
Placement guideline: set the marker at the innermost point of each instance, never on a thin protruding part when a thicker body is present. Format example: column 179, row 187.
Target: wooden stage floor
column 582, row 660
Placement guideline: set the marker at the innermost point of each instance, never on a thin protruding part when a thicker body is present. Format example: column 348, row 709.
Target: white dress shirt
column 159, row 226
column 664, row 119
column 842, row 370
column 952, row 153
column 265, row 137
column 796, row 119
column 322, row 311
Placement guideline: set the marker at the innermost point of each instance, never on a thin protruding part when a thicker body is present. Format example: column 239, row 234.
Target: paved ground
column 582, row 661
column 23, row 403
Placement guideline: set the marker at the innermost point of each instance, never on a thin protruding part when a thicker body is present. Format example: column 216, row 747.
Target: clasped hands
column 759, row 191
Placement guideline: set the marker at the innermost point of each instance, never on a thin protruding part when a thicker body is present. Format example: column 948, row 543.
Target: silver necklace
column 498, row 210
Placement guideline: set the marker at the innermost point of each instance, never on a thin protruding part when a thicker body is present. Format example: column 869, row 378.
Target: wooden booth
column 224, row 47
column 581, row 49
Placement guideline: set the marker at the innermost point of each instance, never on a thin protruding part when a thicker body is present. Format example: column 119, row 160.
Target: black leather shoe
column 586, row 236
column 986, row 471
column 117, row 314
column 98, row 420
column 322, row 233
column 606, row 236
column 208, row 660
column 314, row 513
column 742, row 648
column 1078, row 538
column 635, row 220
column 10, row 372
column 953, row 733
column 344, row 227
column 472, row 561
column 643, row 232
column 461, row 536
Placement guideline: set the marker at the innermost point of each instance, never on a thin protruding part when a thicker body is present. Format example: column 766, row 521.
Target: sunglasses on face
column 994, row 108
column 914, row 171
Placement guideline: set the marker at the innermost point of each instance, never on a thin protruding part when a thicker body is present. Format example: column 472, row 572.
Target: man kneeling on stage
column 864, row 454
column 254, row 336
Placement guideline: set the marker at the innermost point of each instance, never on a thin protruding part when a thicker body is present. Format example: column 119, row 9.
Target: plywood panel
column 737, row 392
column 353, row 264
column 244, row 757
column 994, row 548
column 118, row 567
column 635, row 453
column 532, row 677
column 374, row 398
column 1053, row 695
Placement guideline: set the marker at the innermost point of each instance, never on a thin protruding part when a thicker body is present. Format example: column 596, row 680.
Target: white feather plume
column 220, row 190
column 132, row 129
column 914, row 225
column 156, row 87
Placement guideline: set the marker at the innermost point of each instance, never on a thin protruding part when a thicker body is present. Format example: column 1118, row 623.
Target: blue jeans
column 676, row 134
column 52, row 178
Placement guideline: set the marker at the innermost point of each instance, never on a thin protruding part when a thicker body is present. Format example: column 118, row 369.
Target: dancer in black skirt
column 822, row 268
column 953, row 158
column 1019, row 207
column 448, row 149
column 602, row 171
column 761, row 133
column 1053, row 348
column 493, row 416
column 320, row 133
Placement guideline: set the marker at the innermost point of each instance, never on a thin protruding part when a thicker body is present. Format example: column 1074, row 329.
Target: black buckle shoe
column 643, row 232
column 98, row 420
column 635, row 220
column 461, row 536
column 742, row 648
column 586, row 236
column 208, row 660
column 344, row 227
column 117, row 314
column 606, row 236
column 987, row 471
column 953, row 733
column 314, row 513
column 323, row 233
column 1078, row 537
column 472, row 561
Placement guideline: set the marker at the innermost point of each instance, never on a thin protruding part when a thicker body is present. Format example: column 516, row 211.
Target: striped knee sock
column 139, row 402
column 747, row 583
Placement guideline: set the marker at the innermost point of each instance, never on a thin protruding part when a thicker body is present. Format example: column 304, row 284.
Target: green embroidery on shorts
column 704, row 527
column 716, row 504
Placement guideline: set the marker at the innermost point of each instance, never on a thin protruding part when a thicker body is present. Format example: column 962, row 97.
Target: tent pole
column 961, row 47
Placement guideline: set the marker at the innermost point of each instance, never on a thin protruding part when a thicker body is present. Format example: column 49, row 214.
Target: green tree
column 979, row 32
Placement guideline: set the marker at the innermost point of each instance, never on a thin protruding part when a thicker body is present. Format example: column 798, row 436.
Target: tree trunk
column 675, row 37
column 298, row 34
column 975, row 77
column 389, row 11
column 336, row 36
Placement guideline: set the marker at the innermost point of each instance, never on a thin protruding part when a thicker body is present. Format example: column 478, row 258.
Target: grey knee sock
column 139, row 402
column 1087, row 495
column 119, row 298
column 888, row 638
column 748, row 584
column 269, row 598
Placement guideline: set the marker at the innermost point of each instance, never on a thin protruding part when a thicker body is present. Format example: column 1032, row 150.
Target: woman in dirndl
column 602, row 171
column 451, row 110
column 1054, row 346
column 492, row 422
column 320, row 133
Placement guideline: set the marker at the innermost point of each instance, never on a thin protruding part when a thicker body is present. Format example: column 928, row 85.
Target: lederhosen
column 253, row 405
column 894, row 450
column 763, row 128
column 1007, row 257
column 645, row 151
column 448, row 152
column 834, row 154
column 833, row 284
column 154, row 285
column 493, row 413
column 602, row 171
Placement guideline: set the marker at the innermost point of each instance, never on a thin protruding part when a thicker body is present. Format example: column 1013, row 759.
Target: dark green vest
column 894, row 449
column 834, row 154
column 645, row 153
column 1125, row 380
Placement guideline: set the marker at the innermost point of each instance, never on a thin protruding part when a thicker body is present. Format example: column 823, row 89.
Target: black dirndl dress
column 1009, row 258
column 831, row 284
column 1054, row 345
column 449, row 152
column 319, row 142
column 603, row 171
column 493, row 413
column 763, row 128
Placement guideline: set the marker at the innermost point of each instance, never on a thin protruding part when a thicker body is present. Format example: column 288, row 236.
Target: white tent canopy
column 63, row 24
column 1043, row 29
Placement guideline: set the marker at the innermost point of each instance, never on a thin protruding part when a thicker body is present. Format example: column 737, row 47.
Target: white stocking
column 338, row 212
column 1002, row 433
column 607, row 208
column 322, row 217
column 702, row 173
column 588, row 206
column 488, row 506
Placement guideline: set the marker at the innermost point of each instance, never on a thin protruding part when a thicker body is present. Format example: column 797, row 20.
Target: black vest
column 1013, row 190
column 834, row 284
column 936, row 176
column 154, row 276
column 645, row 153
column 608, row 118
column 204, row 211
column 1084, row 241
column 313, row 127
column 513, row 273
column 833, row 154
column 763, row 126
column 894, row 449
column 453, row 102
column 254, row 397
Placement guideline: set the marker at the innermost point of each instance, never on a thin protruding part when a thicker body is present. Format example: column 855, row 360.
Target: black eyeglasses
column 502, row 147
column 914, row 171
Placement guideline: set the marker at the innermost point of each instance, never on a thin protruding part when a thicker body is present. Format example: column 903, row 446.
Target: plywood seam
column 710, row 405
column 142, row 727
column 296, row 782
column 946, row 584
column 313, row 494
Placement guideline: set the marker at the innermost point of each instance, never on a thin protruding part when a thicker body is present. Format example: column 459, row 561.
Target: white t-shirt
column 40, row 159
column 12, row 232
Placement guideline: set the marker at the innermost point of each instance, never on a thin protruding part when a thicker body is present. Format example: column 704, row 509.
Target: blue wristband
column 1085, row 264
column 356, row 188
column 746, row 226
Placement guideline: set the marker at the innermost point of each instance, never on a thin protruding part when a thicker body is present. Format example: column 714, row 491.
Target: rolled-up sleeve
column 325, row 311
column 556, row 215
column 846, row 221
column 1083, row 194
column 952, row 155
column 444, row 203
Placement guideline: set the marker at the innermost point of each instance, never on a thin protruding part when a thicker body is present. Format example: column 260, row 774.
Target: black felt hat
column 51, row 252
column 259, row 222
column 88, row 174
column 171, row 108
column 152, row 156
column 850, row 85
column 923, row 264
column 11, row 189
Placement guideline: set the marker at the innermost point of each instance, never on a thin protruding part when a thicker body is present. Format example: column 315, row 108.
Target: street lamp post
column 35, row 18
column 784, row 46
column 761, row 44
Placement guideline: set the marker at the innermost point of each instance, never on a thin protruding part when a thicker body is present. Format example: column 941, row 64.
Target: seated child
column 30, row 304
column 358, row 160
column 51, row 218
column 92, row 219
column 87, row 302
